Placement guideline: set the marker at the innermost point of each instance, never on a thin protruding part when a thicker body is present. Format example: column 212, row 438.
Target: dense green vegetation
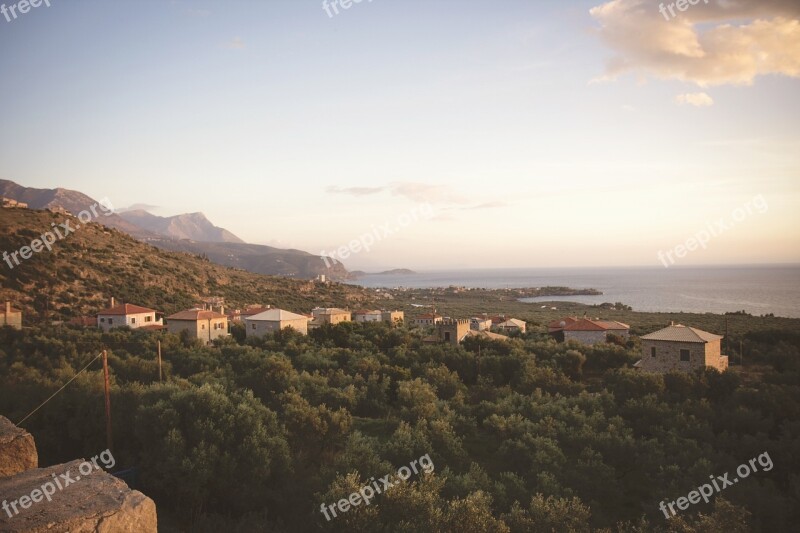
column 527, row 435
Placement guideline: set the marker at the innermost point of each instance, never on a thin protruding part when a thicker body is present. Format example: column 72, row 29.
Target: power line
column 62, row 388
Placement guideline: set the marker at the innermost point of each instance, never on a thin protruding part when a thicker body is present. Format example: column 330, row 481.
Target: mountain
column 72, row 201
column 94, row 262
column 257, row 258
column 190, row 233
column 394, row 272
column 193, row 226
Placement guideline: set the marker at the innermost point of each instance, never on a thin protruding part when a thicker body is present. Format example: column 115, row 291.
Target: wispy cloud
column 235, row 44
column 355, row 191
column 714, row 43
column 695, row 99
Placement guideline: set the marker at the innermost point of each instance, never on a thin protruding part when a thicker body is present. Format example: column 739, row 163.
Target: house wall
column 368, row 318
column 395, row 317
column 200, row 329
column 585, row 337
column 260, row 328
column 334, row 318
column 107, row 322
column 481, row 325
column 668, row 358
column 457, row 329
column 12, row 319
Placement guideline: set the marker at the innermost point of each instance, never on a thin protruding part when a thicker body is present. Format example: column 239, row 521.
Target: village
column 673, row 348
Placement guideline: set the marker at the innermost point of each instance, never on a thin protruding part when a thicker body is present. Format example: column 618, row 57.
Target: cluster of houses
column 674, row 348
column 211, row 321
column 9, row 203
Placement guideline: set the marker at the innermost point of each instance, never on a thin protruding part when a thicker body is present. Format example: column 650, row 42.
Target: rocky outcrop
column 93, row 503
column 75, row 497
column 17, row 449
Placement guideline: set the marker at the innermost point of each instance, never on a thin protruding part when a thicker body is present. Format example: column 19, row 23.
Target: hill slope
column 172, row 233
column 96, row 262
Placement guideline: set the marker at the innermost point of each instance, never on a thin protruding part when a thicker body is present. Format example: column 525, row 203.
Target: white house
column 129, row 315
column 275, row 320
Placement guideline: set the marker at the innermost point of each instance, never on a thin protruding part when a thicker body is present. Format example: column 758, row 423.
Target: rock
column 17, row 449
column 93, row 503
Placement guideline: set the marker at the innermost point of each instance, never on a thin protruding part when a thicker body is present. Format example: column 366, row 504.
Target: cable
column 59, row 390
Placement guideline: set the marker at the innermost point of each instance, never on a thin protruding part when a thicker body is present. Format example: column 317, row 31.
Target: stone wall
column 72, row 497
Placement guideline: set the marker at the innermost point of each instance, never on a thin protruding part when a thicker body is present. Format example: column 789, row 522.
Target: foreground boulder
column 17, row 449
column 93, row 503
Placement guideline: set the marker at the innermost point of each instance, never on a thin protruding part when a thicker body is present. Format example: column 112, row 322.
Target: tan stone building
column 129, row 315
column 275, row 320
column 331, row 315
column 588, row 331
column 393, row 317
column 429, row 319
column 453, row 330
column 200, row 323
column 683, row 349
column 512, row 325
column 480, row 323
column 10, row 317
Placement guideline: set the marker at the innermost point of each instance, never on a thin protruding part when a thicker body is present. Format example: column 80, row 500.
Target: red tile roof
column 585, row 324
column 126, row 309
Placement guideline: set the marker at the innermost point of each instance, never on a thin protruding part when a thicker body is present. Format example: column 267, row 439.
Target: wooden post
column 109, row 434
column 159, row 363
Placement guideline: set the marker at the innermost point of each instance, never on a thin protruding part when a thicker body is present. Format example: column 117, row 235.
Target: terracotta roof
column 195, row 315
column 276, row 315
column 126, row 309
column 585, row 324
column 681, row 333
column 559, row 324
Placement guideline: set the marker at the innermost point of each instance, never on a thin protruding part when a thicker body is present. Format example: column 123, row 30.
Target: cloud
column 714, row 43
column 355, row 191
column 235, row 44
column 695, row 99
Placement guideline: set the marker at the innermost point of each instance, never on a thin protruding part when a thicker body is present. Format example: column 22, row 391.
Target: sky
column 465, row 134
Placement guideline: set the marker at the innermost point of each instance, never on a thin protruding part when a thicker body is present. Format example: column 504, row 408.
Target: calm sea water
column 756, row 289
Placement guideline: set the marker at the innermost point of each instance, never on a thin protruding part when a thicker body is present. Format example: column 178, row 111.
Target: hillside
column 96, row 262
column 191, row 233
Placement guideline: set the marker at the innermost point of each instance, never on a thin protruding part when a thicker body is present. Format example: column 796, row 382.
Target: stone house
column 10, row 317
column 587, row 331
column 429, row 319
column 453, row 330
column 511, row 325
column 129, row 315
column 275, row 320
column 478, row 323
column 330, row 315
column 681, row 348
column 393, row 317
column 367, row 316
column 200, row 323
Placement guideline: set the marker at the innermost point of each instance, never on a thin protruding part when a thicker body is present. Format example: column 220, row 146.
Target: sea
column 757, row 290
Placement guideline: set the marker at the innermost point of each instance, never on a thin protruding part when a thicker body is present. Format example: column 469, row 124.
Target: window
column 110, row 320
column 652, row 351
column 102, row 320
column 254, row 326
column 447, row 336
column 202, row 326
column 685, row 355
column 148, row 318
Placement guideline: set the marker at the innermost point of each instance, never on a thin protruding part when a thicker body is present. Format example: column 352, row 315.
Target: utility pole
column 109, row 435
column 160, row 375
column 741, row 353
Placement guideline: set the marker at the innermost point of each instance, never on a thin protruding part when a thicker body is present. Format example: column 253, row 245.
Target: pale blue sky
column 256, row 113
